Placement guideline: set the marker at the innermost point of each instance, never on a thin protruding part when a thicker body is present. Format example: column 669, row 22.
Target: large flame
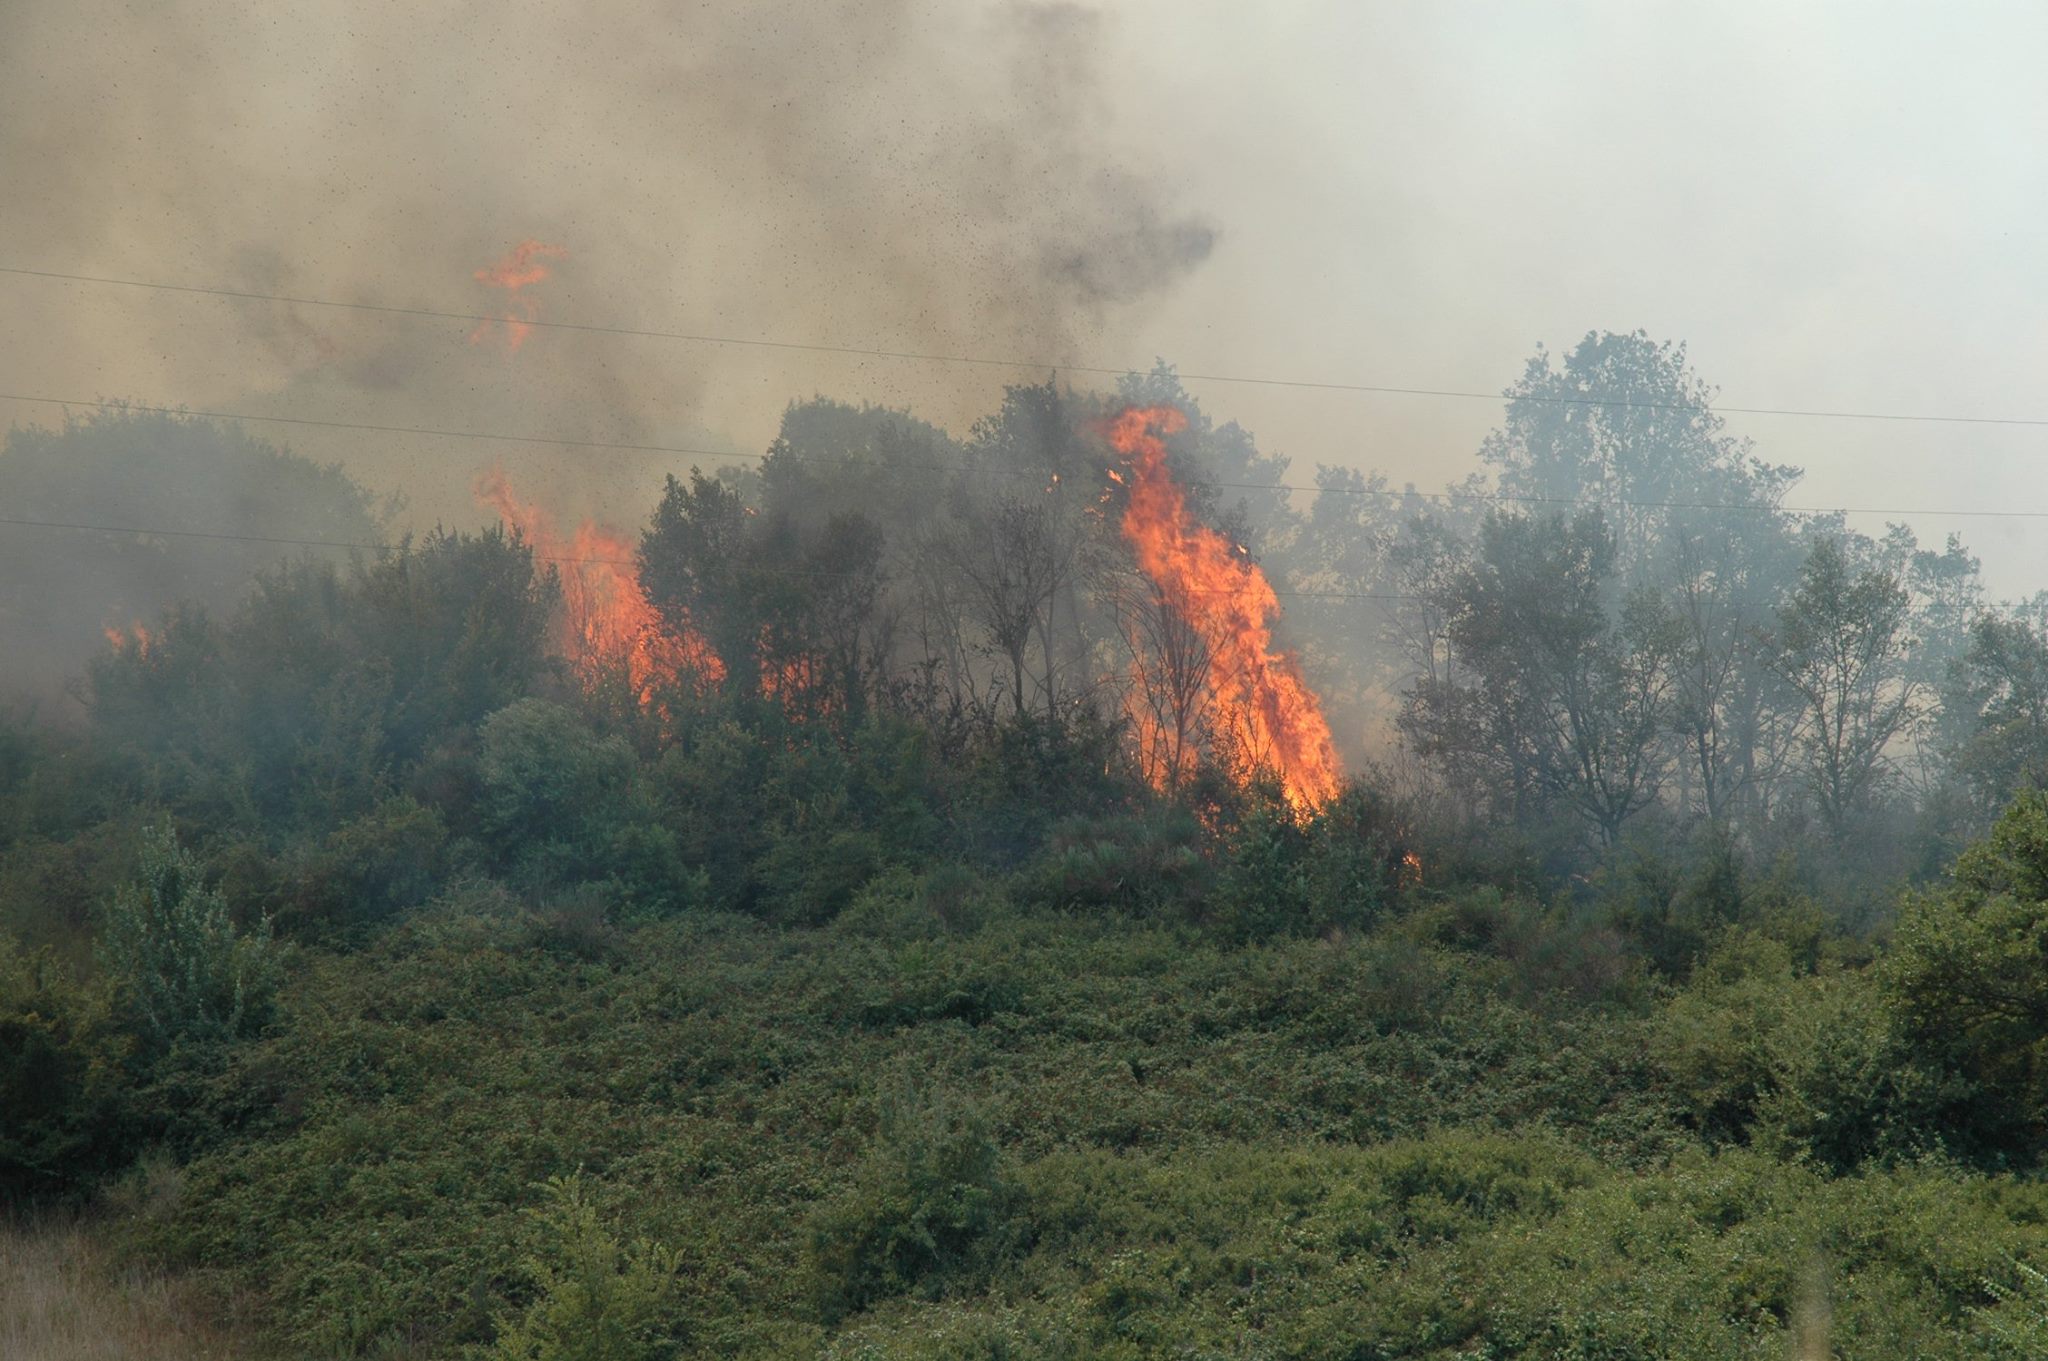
column 1254, row 694
column 523, row 266
column 607, row 623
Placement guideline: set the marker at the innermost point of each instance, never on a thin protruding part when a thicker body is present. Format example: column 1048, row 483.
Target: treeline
column 1615, row 634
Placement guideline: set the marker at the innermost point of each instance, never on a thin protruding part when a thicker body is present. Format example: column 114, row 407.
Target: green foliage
column 547, row 779
column 1290, row 873
column 1139, row 864
column 930, row 1209
column 594, row 1298
column 2015, row 1325
column 1200, row 1076
column 1968, row 976
column 61, row 1063
column 187, row 972
column 373, row 867
column 1994, row 711
column 311, row 702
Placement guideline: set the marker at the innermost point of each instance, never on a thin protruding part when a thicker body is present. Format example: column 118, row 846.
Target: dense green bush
column 930, row 1209
column 1967, row 975
column 594, row 1298
column 62, row 1064
column 188, row 974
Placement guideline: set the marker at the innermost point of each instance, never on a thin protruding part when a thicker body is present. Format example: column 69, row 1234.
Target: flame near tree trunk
column 607, row 625
column 1261, row 713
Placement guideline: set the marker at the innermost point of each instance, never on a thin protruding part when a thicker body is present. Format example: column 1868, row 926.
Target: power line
column 1101, row 370
column 1388, row 493
column 149, row 531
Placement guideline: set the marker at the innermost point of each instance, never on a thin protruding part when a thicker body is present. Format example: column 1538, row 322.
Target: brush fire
column 1228, row 663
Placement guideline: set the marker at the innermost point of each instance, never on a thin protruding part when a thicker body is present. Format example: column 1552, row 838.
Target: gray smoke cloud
column 868, row 173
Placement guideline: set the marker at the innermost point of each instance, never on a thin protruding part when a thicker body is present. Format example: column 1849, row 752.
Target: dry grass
column 62, row 1300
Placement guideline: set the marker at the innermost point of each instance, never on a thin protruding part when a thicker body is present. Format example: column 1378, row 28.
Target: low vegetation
column 374, row 972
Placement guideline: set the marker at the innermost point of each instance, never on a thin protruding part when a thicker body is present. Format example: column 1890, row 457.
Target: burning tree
column 1219, row 658
column 606, row 627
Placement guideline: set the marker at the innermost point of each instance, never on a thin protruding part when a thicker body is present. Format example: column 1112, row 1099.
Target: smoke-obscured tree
column 825, row 636
column 308, row 702
column 204, row 481
column 792, row 610
column 1624, row 422
column 1842, row 644
column 694, row 567
column 1565, row 687
column 833, row 458
column 1731, row 714
column 1008, row 562
column 1947, row 599
column 1033, row 450
column 1993, row 723
column 1426, row 560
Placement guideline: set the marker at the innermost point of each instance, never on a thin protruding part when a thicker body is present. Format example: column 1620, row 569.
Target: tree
column 203, row 480
column 1842, row 646
column 695, row 566
column 1566, row 694
column 1730, row 713
column 791, row 605
column 1624, row 421
column 1172, row 663
column 1993, row 725
column 1009, row 563
column 1033, row 448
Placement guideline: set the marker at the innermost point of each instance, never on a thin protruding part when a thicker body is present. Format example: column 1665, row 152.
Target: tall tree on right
column 1843, row 647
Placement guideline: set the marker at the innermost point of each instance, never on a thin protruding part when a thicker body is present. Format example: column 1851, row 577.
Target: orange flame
column 521, row 268
column 136, row 637
column 1274, row 719
column 607, row 622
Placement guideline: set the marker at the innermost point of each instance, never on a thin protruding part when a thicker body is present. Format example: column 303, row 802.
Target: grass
column 62, row 1298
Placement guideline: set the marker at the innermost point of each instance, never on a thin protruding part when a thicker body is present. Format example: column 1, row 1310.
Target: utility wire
column 869, row 352
column 147, row 531
column 1386, row 493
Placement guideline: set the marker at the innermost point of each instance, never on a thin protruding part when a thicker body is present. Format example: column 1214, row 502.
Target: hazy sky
column 1837, row 207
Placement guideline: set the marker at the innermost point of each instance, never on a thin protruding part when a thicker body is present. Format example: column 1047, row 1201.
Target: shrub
column 59, row 1066
column 931, row 1208
column 595, row 1299
column 187, row 972
column 1966, row 976
column 547, row 777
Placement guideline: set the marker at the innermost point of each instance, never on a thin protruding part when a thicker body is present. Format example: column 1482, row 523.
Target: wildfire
column 1275, row 720
column 523, row 266
column 607, row 622
column 136, row 638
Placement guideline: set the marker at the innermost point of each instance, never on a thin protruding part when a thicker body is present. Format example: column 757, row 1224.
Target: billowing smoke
column 875, row 174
